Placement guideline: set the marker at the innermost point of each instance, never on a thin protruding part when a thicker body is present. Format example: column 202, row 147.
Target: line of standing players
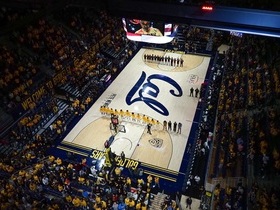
column 141, row 119
column 167, row 60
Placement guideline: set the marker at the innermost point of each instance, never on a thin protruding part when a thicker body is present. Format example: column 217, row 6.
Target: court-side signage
column 192, row 79
column 44, row 89
column 127, row 163
column 148, row 92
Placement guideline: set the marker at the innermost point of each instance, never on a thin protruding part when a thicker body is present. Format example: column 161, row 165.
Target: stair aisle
column 157, row 201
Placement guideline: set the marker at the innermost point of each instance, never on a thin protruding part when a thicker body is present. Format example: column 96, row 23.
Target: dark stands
column 85, row 64
column 245, row 147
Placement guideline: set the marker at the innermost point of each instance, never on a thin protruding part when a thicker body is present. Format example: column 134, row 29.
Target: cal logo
column 145, row 90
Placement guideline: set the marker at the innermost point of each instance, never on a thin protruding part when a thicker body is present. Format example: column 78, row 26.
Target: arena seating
column 238, row 129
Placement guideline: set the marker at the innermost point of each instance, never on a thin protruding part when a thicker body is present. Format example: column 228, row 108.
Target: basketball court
column 159, row 91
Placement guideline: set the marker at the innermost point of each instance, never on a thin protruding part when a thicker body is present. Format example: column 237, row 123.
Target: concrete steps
column 157, row 201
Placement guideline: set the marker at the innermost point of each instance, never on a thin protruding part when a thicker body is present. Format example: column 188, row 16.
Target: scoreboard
column 149, row 31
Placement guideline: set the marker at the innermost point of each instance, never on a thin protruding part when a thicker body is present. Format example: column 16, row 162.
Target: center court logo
column 148, row 92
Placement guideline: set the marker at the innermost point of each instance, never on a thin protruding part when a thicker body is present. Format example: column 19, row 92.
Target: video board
column 149, row 31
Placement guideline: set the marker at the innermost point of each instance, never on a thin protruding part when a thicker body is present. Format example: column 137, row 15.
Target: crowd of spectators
column 248, row 118
column 58, row 49
column 18, row 73
column 229, row 197
column 262, row 197
column 33, row 180
column 196, row 39
column 53, row 183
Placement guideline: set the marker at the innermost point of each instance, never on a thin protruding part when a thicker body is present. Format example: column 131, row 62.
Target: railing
column 229, row 182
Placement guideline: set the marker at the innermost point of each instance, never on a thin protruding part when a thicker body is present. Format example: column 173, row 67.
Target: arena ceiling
column 262, row 22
